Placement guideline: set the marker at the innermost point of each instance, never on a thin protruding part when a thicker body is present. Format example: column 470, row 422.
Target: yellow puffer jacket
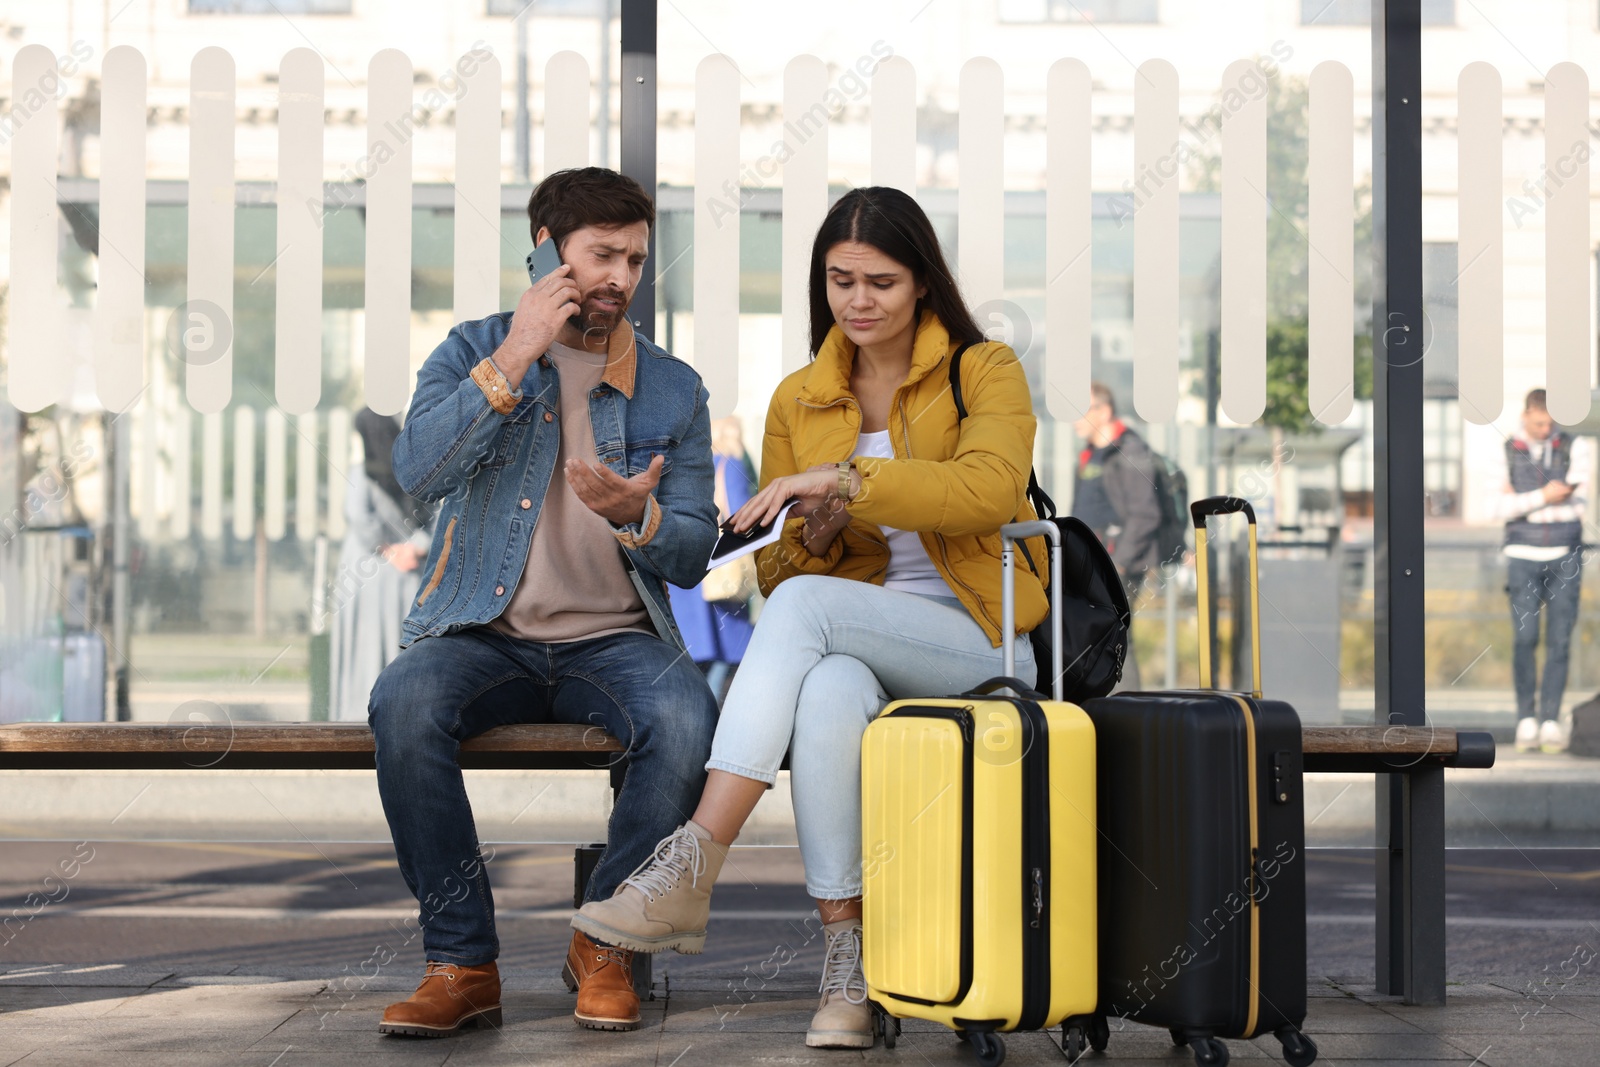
column 955, row 482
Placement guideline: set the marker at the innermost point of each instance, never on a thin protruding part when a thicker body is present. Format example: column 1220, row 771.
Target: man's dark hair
column 1535, row 401
column 571, row 199
column 1100, row 394
column 894, row 224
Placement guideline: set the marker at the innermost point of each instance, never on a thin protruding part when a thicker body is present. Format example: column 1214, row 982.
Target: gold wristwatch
column 844, row 479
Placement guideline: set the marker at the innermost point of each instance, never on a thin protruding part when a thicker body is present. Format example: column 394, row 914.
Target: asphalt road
column 296, row 910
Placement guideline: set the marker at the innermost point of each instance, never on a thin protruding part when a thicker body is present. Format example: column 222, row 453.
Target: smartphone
column 543, row 260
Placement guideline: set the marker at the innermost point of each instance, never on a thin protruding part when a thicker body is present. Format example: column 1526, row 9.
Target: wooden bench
column 348, row 746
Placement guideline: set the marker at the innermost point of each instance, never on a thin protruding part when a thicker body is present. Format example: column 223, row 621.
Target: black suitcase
column 1202, row 854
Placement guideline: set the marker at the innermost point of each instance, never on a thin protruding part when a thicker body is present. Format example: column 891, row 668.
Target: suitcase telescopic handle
column 1010, row 534
column 1201, row 510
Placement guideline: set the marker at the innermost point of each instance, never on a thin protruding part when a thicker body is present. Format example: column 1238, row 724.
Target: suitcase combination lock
column 1280, row 765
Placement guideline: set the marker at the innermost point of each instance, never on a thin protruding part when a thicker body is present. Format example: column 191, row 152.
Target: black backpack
column 1172, row 490
column 1095, row 612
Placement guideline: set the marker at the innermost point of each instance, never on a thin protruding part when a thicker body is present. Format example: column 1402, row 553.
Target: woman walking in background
column 714, row 616
column 386, row 539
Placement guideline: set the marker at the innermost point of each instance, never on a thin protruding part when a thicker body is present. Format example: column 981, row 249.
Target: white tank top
column 910, row 569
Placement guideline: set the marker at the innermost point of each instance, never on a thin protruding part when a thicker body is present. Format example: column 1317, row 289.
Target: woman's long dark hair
column 894, row 224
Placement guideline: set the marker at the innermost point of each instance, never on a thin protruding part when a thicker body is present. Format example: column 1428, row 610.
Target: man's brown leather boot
column 602, row 976
column 448, row 999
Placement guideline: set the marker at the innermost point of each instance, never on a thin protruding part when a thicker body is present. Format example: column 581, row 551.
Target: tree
column 1288, row 253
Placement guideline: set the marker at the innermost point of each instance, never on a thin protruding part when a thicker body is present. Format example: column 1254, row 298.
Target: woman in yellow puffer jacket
column 885, row 582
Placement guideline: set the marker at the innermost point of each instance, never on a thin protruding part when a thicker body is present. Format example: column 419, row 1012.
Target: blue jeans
column 442, row 690
column 1553, row 586
column 827, row 655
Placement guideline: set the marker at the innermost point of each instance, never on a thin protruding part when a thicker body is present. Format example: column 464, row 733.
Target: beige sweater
column 574, row 585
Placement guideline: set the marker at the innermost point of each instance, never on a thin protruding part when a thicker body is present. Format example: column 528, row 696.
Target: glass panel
column 269, row 7
column 1359, row 12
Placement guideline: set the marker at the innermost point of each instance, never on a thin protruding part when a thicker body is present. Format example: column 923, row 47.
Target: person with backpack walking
column 1118, row 491
column 1547, row 481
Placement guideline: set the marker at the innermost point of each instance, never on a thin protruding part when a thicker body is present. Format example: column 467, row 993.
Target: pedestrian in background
column 714, row 616
column 386, row 539
column 1546, row 493
column 1116, row 494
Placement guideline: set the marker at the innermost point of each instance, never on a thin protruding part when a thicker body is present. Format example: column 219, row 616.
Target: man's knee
column 404, row 711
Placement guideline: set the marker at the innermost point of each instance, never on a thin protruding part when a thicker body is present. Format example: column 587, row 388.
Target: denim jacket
column 488, row 452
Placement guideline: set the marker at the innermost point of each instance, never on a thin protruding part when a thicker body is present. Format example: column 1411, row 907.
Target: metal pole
column 524, row 152
column 639, row 136
column 1410, row 807
column 119, row 451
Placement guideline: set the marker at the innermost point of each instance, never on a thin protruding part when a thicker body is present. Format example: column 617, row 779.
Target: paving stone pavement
column 57, row 1018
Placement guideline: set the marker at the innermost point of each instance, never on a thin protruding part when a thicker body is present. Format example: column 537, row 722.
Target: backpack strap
column 1043, row 506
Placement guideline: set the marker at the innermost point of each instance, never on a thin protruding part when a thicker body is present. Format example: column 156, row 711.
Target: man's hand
column 1556, row 492
column 609, row 494
column 540, row 314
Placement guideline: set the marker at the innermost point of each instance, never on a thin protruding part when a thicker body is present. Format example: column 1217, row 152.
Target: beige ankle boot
column 843, row 1018
column 666, row 902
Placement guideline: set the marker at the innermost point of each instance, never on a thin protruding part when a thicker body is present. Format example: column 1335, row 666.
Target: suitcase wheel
column 1072, row 1042
column 1298, row 1049
column 990, row 1047
column 888, row 1025
column 1209, row 1052
column 1178, row 1036
column 1082, row 1032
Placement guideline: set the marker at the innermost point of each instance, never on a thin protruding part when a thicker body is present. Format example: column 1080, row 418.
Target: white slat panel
column 1480, row 248
column 716, row 231
column 477, row 218
column 211, row 476
column 244, row 473
column 208, row 316
column 566, row 112
column 36, row 312
column 386, row 356
column 1566, row 242
column 338, row 470
column 181, row 428
column 305, row 476
column 1244, row 247
column 1330, row 224
column 894, row 125
column 980, row 198
column 298, row 380
column 1155, row 240
column 805, row 195
column 1068, row 238
column 277, row 446
column 119, row 296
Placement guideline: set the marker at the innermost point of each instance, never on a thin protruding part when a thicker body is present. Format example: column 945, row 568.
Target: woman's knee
column 839, row 697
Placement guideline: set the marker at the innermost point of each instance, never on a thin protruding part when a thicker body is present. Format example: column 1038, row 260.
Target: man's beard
column 593, row 317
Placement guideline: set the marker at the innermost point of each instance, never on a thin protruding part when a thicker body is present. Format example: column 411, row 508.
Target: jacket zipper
column 1035, row 867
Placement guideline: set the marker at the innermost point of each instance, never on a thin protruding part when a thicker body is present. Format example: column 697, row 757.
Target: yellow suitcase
column 978, row 824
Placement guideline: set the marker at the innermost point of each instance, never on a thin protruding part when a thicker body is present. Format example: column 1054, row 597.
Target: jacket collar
column 622, row 359
column 829, row 379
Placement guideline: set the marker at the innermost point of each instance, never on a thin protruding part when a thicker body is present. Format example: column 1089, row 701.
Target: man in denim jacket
column 572, row 460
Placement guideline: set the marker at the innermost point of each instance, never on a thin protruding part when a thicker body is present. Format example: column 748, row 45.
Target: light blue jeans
column 827, row 655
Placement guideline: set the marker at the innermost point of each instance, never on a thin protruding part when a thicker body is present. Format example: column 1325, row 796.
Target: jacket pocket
column 438, row 568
